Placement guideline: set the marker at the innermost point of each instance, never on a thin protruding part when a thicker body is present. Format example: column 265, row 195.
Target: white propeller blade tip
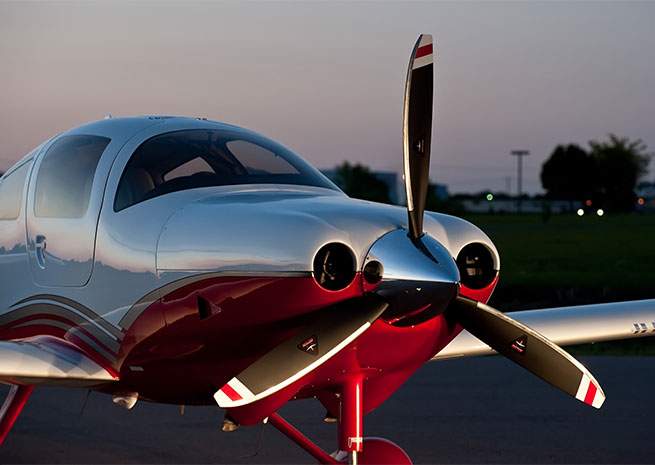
column 590, row 392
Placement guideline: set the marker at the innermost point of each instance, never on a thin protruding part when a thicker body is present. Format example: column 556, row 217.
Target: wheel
column 380, row 450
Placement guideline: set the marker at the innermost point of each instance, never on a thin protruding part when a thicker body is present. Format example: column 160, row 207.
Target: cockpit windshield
column 204, row 157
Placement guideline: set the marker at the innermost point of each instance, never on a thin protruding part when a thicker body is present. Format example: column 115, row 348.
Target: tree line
column 605, row 174
column 359, row 182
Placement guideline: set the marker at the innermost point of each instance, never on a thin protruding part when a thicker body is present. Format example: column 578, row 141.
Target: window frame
column 26, row 164
column 304, row 171
column 88, row 180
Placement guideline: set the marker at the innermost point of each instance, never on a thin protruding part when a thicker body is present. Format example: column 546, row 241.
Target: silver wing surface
column 48, row 362
column 570, row 325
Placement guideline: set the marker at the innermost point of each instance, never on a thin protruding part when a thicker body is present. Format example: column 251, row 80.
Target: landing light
column 600, row 212
column 580, row 212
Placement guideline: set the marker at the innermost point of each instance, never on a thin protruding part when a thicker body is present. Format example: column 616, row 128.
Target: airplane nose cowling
column 269, row 231
column 415, row 274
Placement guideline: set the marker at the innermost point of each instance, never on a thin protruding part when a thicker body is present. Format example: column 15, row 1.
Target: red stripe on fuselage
column 33, row 332
column 82, row 347
column 231, row 393
column 591, row 394
column 423, row 51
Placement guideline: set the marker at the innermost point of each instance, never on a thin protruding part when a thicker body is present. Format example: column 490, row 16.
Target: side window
column 63, row 185
column 11, row 192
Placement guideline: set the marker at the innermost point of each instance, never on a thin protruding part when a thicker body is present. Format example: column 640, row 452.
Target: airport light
column 600, row 212
column 490, row 197
column 640, row 201
column 580, row 212
column 520, row 154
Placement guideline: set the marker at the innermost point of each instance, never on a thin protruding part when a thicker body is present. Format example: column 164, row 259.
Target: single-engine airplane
column 186, row 261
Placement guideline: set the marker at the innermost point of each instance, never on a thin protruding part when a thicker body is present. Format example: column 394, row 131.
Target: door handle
column 40, row 246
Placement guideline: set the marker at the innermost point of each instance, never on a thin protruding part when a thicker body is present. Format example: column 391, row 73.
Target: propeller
column 418, row 273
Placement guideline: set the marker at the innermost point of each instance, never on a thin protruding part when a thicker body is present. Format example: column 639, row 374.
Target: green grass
column 606, row 256
column 571, row 261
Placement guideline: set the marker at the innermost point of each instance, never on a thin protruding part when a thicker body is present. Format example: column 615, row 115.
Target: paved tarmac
column 480, row 410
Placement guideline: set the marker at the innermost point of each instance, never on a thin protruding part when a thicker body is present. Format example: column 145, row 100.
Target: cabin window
column 196, row 165
column 259, row 160
column 11, row 192
column 63, row 186
column 197, row 158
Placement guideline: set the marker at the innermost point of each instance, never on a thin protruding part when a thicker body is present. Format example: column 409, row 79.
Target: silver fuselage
column 106, row 266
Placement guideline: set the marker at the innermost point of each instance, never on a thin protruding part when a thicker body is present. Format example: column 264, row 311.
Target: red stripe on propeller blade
column 231, row 393
column 591, row 394
column 422, row 51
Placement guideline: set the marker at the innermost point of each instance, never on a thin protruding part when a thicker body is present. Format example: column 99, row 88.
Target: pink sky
column 327, row 78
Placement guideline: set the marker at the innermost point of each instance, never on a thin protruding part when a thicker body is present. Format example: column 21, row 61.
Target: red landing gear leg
column 362, row 451
column 350, row 418
column 359, row 450
column 300, row 439
column 10, row 410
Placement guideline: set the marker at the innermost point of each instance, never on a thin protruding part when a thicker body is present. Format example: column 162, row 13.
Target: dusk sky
column 326, row 79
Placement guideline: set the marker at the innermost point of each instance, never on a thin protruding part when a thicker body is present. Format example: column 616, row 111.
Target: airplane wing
column 47, row 361
column 570, row 325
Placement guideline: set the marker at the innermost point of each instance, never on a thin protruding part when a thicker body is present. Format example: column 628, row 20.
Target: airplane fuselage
column 176, row 293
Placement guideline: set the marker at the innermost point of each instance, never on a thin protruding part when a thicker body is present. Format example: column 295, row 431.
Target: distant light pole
column 520, row 154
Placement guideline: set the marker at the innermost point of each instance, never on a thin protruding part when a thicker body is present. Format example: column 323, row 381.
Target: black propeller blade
column 527, row 348
column 417, row 131
column 311, row 347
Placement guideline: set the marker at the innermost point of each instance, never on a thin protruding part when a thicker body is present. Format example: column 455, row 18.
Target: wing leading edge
column 570, row 325
column 47, row 361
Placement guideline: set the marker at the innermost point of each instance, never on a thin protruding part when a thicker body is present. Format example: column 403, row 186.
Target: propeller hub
column 418, row 273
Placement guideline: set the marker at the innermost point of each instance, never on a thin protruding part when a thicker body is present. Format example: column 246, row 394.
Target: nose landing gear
column 374, row 450
column 353, row 448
